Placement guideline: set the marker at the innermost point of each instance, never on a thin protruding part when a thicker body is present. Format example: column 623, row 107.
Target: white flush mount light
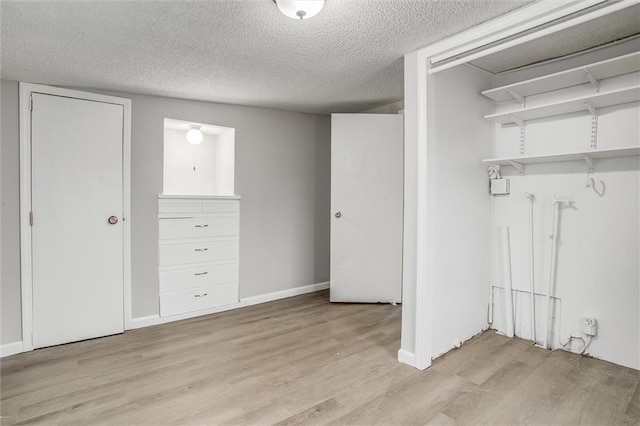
column 300, row 9
column 194, row 135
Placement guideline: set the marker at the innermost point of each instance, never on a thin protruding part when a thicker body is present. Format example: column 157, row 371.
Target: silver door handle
column 112, row 220
column 204, row 249
column 338, row 215
column 200, row 273
column 202, row 226
column 200, row 295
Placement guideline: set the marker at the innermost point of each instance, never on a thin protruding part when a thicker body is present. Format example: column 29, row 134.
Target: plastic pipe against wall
column 506, row 277
column 552, row 272
column 532, row 198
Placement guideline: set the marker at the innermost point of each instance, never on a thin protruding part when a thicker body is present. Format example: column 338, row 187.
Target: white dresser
column 198, row 252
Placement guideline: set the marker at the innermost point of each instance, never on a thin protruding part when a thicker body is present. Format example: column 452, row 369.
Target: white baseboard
column 150, row 320
column 9, row 349
column 407, row 357
column 459, row 341
column 283, row 294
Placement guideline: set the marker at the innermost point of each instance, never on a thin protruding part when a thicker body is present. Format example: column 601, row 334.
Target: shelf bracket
column 593, row 110
column 518, row 166
column 595, row 83
column 594, row 132
column 516, row 120
column 591, row 163
column 516, row 96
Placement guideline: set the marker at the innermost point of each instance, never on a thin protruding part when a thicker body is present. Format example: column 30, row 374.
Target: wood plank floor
column 305, row 361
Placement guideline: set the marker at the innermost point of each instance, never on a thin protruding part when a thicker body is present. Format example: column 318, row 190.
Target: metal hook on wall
column 592, row 184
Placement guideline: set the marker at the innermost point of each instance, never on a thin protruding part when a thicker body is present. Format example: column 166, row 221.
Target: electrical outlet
column 589, row 326
column 499, row 186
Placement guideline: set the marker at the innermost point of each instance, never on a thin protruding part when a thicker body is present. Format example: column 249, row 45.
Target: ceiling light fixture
column 300, row 9
column 194, row 135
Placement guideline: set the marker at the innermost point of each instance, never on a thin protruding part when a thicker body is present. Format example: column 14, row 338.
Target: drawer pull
column 200, row 295
column 204, row 249
column 200, row 273
column 202, row 226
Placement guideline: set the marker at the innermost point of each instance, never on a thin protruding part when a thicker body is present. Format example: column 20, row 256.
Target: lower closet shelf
column 568, row 156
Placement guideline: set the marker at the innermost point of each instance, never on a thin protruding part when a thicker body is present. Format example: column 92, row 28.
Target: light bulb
column 194, row 135
column 300, row 9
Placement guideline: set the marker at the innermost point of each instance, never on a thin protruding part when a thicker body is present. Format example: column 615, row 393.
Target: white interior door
column 366, row 202
column 76, row 186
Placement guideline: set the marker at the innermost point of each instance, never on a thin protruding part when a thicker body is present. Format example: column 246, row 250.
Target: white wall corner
column 461, row 340
column 406, row 357
column 142, row 322
column 9, row 349
column 296, row 291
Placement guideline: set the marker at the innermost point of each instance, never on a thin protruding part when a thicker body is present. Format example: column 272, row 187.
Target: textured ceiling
column 347, row 58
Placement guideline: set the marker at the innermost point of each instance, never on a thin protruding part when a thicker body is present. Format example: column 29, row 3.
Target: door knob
column 338, row 215
column 112, row 220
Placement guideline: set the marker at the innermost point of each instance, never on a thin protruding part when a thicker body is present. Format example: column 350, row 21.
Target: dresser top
column 197, row 197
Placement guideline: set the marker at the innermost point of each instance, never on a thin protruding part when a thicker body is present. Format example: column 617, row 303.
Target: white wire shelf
column 591, row 73
column 588, row 156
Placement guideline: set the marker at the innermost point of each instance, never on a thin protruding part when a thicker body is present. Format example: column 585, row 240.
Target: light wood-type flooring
column 305, row 361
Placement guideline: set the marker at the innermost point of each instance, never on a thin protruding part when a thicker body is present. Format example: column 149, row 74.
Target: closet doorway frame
column 26, row 262
column 419, row 248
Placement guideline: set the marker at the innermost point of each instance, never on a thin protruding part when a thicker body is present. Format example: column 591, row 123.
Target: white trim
column 126, row 207
column 25, row 207
column 9, row 349
column 150, row 320
column 26, row 277
column 407, row 357
column 415, row 265
column 460, row 341
column 283, row 294
column 147, row 321
column 198, row 197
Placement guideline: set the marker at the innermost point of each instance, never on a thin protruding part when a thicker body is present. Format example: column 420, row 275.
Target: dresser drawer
column 179, row 207
column 181, row 279
column 204, row 252
column 221, row 206
column 200, row 227
column 196, row 299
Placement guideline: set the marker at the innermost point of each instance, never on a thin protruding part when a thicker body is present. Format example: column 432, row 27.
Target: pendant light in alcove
column 194, row 135
column 300, row 9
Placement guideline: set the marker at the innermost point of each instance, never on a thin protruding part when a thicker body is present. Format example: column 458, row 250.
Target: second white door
column 77, row 205
column 366, row 201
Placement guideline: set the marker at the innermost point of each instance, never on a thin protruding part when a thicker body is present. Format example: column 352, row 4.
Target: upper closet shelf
column 582, row 103
column 591, row 73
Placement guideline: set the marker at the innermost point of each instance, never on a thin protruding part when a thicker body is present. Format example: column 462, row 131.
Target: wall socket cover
column 589, row 326
column 499, row 186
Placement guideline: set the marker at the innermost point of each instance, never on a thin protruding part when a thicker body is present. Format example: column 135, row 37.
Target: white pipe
column 552, row 270
column 532, row 198
column 506, row 276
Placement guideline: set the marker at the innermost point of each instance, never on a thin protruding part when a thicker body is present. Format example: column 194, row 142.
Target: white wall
column 189, row 169
column 282, row 174
column 225, row 162
column 204, row 169
column 599, row 251
column 459, row 205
